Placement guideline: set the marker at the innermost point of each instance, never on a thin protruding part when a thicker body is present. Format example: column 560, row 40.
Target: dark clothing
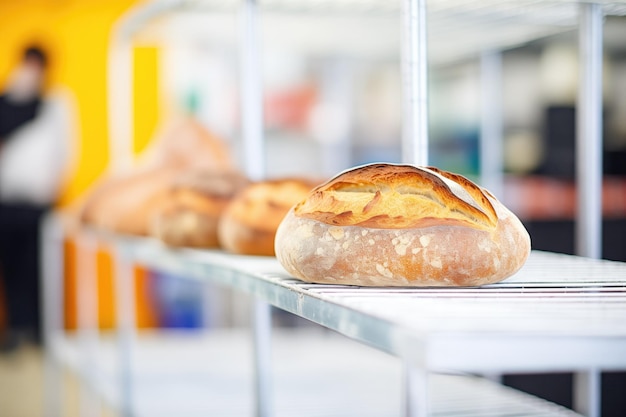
column 14, row 115
column 19, row 220
column 19, row 264
column 19, row 234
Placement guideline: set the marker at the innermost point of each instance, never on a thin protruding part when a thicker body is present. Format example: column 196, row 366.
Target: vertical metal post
column 52, row 286
column 125, row 310
column 415, row 81
column 415, row 151
column 87, row 311
column 262, row 322
column 252, row 92
column 587, row 394
column 416, row 392
column 491, row 165
column 254, row 159
column 589, row 133
column 589, row 173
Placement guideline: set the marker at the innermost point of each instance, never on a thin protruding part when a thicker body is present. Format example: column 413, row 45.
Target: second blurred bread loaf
column 248, row 225
column 189, row 214
column 124, row 203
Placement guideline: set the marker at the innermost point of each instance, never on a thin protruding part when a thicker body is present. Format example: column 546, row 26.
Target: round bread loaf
column 125, row 203
column 248, row 225
column 401, row 225
column 190, row 213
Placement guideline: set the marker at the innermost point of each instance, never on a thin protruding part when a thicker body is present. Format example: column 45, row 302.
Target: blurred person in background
column 33, row 154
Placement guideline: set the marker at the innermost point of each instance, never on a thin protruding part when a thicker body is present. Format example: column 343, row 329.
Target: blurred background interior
column 332, row 99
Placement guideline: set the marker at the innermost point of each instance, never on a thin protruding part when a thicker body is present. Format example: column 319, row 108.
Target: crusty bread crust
column 398, row 196
column 399, row 225
column 189, row 214
column 248, row 225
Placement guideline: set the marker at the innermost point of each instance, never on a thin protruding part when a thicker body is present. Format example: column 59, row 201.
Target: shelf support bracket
column 491, row 165
column 415, row 151
column 254, row 158
column 416, row 391
column 251, row 92
column 589, row 173
column 589, row 133
column 87, row 318
column 415, row 84
column 52, row 299
column 126, row 327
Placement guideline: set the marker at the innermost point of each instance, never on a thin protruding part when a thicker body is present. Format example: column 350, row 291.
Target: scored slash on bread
column 398, row 196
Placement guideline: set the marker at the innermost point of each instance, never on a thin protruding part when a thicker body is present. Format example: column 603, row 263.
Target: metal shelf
column 475, row 22
column 558, row 313
column 317, row 373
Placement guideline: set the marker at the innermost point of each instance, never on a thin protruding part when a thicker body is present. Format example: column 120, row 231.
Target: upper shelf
column 457, row 29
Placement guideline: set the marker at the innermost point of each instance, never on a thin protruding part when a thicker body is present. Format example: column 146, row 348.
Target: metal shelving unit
column 559, row 313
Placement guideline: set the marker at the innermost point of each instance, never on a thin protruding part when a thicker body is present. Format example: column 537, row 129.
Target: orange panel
column 146, row 313
column 70, row 284
column 106, row 298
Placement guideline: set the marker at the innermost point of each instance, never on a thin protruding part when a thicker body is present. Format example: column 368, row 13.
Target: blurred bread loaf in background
column 125, row 202
column 248, row 225
column 185, row 143
column 189, row 213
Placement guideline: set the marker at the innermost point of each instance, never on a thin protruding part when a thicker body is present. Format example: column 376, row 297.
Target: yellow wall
column 76, row 33
column 146, row 109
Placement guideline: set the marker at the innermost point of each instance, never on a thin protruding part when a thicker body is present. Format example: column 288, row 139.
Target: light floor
column 21, row 386
column 21, row 379
column 314, row 374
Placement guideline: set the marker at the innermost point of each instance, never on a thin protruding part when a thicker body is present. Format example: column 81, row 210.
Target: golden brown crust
column 249, row 223
column 189, row 215
column 398, row 196
column 401, row 245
